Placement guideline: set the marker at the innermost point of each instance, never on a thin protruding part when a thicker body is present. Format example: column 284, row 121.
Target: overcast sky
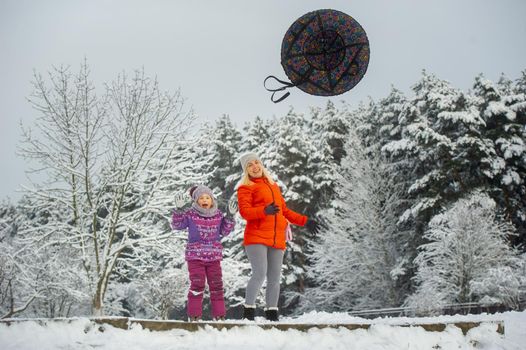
column 219, row 52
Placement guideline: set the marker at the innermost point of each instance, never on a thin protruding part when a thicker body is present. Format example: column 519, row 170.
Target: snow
column 399, row 146
column 383, row 334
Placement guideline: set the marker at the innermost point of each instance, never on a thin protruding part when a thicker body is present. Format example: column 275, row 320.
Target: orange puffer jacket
column 265, row 229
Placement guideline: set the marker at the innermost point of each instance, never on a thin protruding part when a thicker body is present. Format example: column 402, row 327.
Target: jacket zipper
column 275, row 217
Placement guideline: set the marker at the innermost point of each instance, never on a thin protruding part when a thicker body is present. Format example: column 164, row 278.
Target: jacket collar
column 258, row 179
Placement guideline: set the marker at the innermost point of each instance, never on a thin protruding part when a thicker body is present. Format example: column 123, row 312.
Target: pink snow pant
column 201, row 271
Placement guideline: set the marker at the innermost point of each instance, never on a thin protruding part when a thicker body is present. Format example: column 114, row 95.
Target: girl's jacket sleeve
column 179, row 220
column 227, row 225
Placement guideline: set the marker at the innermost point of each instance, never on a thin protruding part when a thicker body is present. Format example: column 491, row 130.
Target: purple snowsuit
column 203, row 255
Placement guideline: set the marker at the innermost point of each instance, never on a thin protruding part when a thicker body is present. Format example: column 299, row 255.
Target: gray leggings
column 265, row 262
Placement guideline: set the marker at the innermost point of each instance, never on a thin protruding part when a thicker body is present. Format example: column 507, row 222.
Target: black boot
column 272, row 314
column 249, row 312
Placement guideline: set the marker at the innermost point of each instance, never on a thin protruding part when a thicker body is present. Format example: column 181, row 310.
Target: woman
column 263, row 207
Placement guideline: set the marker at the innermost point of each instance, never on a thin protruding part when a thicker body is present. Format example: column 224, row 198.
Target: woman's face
column 255, row 168
column 205, row 201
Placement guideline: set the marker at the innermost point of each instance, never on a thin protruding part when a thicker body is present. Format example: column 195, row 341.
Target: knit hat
column 199, row 190
column 247, row 157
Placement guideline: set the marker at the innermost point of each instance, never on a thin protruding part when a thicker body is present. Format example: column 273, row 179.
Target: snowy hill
column 383, row 334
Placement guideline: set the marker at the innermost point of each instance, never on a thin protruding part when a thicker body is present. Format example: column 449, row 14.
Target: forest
column 421, row 197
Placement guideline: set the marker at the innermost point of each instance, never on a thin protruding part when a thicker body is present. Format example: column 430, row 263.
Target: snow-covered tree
column 289, row 154
column 467, row 258
column 358, row 259
column 256, row 134
column 16, row 292
column 329, row 129
column 504, row 112
column 95, row 152
column 44, row 280
column 441, row 134
column 330, row 126
column 386, row 120
column 160, row 292
column 225, row 141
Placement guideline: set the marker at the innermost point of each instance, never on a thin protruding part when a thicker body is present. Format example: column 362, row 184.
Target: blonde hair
column 245, row 178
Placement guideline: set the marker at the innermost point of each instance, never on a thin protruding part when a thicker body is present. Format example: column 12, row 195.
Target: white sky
column 219, row 52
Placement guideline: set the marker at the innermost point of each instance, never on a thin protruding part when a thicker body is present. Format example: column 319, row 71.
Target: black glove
column 271, row 209
column 312, row 226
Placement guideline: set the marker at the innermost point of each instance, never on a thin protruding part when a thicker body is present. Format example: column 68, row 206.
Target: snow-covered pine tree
column 225, row 141
column 519, row 107
column 332, row 125
column 467, row 258
column 387, row 117
column 380, row 127
column 442, row 134
column 357, row 260
column 503, row 109
column 329, row 128
column 255, row 135
column 520, row 86
column 289, row 156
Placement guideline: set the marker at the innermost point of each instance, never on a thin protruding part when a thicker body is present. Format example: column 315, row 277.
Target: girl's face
column 255, row 168
column 205, row 201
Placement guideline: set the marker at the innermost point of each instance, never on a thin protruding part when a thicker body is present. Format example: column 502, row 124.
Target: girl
column 206, row 226
column 263, row 207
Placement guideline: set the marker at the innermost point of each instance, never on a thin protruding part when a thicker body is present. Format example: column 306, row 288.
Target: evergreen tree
column 256, row 134
column 329, row 129
column 467, row 258
column 359, row 257
column 505, row 120
column 381, row 126
column 225, row 141
column 289, row 156
column 388, row 117
column 441, row 133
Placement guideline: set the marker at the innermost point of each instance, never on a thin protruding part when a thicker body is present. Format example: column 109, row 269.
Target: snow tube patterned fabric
column 325, row 52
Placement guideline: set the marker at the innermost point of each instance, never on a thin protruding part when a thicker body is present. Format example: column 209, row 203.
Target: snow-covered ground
column 382, row 335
